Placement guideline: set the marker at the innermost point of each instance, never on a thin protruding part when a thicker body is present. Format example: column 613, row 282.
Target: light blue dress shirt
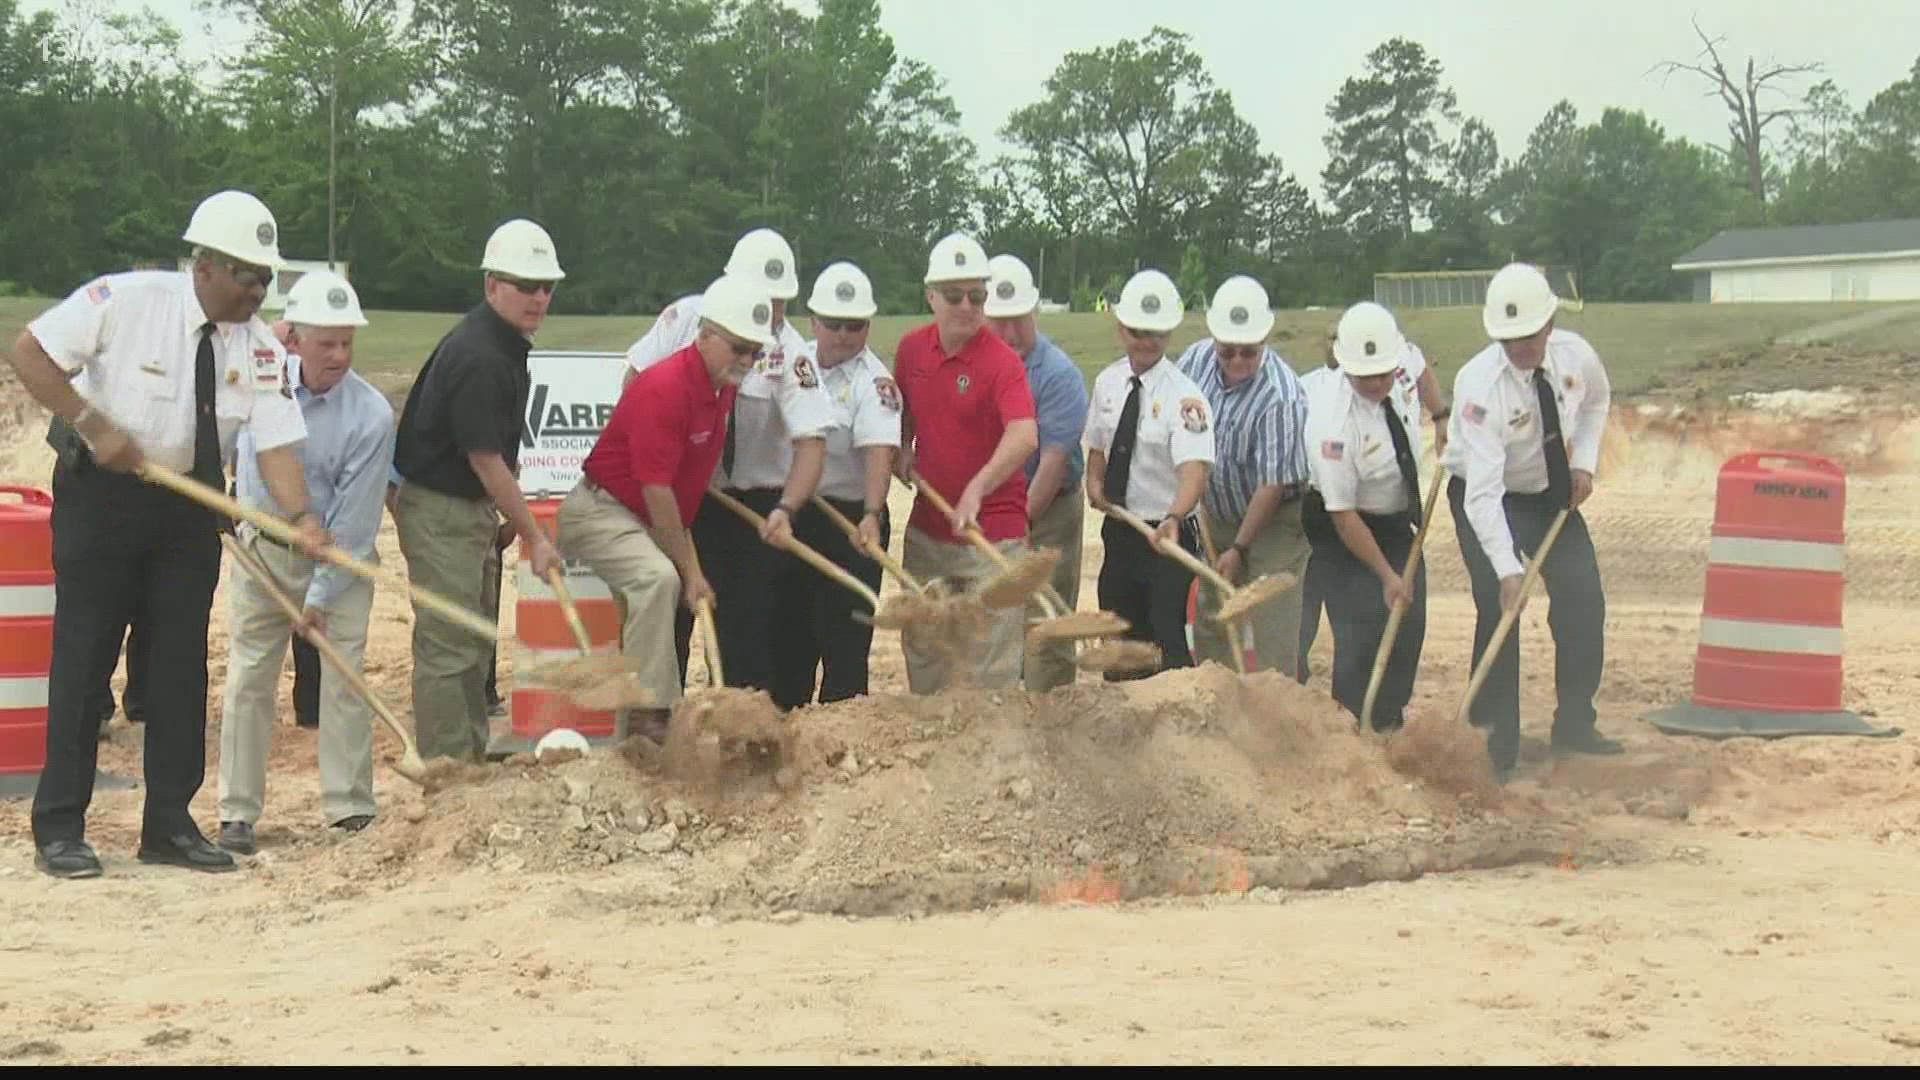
column 349, row 455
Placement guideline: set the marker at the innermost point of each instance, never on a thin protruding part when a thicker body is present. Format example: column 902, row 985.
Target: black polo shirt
column 469, row 397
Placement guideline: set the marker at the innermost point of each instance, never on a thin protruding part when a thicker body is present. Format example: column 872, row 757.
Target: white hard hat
column 1369, row 341
column 237, row 224
column 1519, row 302
column 1010, row 289
column 523, row 250
column 842, row 291
column 741, row 305
column 323, row 298
column 957, row 257
column 765, row 255
column 1150, row 302
column 1240, row 313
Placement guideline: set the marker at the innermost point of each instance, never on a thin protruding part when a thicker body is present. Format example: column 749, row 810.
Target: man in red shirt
column 626, row 519
column 968, row 427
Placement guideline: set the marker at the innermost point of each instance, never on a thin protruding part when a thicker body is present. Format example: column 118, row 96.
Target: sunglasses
column 527, row 288
column 1237, row 352
column 953, row 295
column 838, row 326
column 1145, row 335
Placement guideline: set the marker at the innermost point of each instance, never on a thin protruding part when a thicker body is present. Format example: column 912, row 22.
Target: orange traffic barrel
column 542, row 633
column 26, row 628
column 1770, row 656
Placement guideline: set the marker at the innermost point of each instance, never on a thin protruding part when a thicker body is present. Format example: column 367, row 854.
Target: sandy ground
column 1193, row 869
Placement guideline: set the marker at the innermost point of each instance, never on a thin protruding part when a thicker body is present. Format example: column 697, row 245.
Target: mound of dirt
column 1191, row 782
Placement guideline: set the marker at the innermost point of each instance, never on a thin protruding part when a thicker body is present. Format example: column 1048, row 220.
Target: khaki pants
column 1062, row 528
column 447, row 543
column 258, row 635
column 597, row 530
column 990, row 663
column 1274, row 627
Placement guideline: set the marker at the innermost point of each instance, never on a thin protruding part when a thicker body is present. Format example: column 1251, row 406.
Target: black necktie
column 206, row 432
column 1120, row 457
column 1559, row 479
column 733, row 424
column 1403, row 453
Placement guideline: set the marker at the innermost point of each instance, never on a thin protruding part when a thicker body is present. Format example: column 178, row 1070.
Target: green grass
column 1662, row 349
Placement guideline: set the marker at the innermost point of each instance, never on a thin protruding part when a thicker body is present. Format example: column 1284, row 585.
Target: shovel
column 1020, row 581
column 808, row 555
column 1233, row 629
column 1238, row 601
column 273, row 526
column 409, row 765
column 1365, row 720
column 1507, row 620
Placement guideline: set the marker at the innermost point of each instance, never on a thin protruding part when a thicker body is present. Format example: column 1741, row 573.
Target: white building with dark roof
column 1866, row 260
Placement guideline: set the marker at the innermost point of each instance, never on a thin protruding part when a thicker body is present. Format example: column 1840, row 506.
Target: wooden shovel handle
column 280, row 530
column 1400, row 610
column 1179, row 553
column 811, row 557
column 887, row 562
column 325, row 648
column 1049, row 599
column 1512, row 615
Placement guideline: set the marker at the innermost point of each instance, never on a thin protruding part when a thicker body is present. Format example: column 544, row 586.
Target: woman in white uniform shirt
column 818, row 633
column 1363, row 447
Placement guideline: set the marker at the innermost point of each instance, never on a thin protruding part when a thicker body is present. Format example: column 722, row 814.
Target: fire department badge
column 888, row 392
column 803, row 371
column 1193, row 415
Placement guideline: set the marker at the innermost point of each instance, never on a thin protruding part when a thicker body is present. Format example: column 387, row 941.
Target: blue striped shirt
column 1259, row 427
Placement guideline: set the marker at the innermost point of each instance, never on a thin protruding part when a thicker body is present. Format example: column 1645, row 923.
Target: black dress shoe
column 237, row 837
column 354, row 823
column 1587, row 742
column 189, row 849
column 67, row 859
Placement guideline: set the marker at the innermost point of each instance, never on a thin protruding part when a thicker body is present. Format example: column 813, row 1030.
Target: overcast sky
column 1283, row 60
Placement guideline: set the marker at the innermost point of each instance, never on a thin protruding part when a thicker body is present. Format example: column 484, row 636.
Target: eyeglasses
column 840, row 326
column 1237, row 352
column 247, row 276
column 954, row 294
column 527, row 288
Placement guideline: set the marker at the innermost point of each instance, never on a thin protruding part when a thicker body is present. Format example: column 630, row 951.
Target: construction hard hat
column 522, row 250
column 1519, row 302
column 957, row 257
column 237, row 224
column 323, row 298
column 1150, row 301
column 1240, row 313
column 842, row 291
column 765, row 255
column 741, row 305
column 1010, row 289
column 1368, row 341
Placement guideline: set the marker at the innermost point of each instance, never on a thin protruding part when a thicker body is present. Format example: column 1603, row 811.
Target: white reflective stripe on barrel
column 1777, row 554
column 583, row 585
column 23, row 693
column 26, row 601
column 1771, row 637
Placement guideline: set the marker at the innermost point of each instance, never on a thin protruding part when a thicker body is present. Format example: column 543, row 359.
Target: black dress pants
column 121, row 544
column 817, row 634
column 1149, row 590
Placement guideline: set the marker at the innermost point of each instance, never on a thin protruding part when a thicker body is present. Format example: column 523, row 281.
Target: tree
column 1385, row 150
column 1140, row 126
column 325, row 59
column 1749, row 122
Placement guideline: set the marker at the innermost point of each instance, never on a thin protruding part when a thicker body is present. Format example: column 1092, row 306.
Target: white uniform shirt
column 1313, row 380
column 1494, row 436
column 132, row 339
column 1176, row 426
column 1350, row 449
column 866, row 409
column 780, row 400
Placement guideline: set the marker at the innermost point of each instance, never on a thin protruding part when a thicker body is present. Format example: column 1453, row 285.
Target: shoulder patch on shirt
column 99, row 293
column 803, row 371
column 1474, row 414
column 1333, row 449
column 889, row 392
column 1193, row 415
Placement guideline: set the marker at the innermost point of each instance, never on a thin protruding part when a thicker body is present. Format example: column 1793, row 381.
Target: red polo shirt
column 669, row 429
column 961, row 405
